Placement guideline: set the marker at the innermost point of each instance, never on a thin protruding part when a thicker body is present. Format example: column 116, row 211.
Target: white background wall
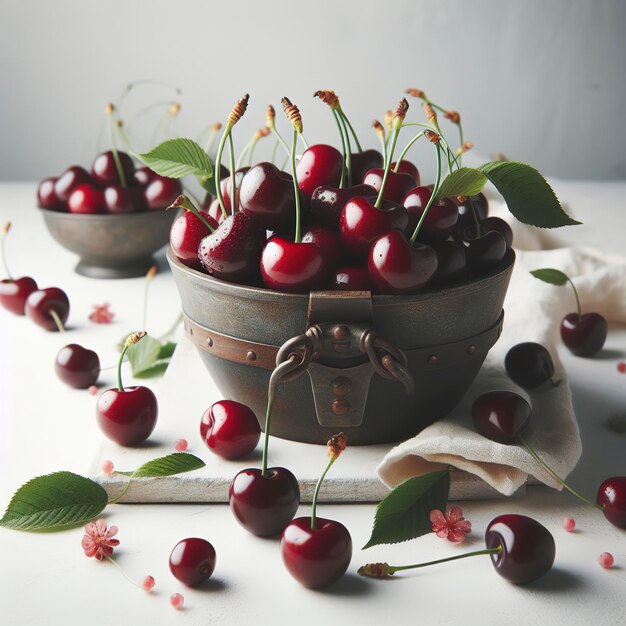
column 540, row 81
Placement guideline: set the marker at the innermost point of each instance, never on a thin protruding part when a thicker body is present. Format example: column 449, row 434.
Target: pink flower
column 101, row 314
column 98, row 540
column 451, row 526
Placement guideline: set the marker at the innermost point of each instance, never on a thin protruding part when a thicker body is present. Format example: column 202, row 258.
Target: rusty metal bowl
column 111, row 246
column 380, row 368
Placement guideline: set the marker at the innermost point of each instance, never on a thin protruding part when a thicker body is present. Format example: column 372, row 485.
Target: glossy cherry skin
column 230, row 429
column 192, row 561
column 440, row 220
column 496, row 223
column 318, row 557
column 328, row 202
column 47, row 197
column 186, row 233
column 104, row 171
column 466, row 215
column 86, row 199
column 528, row 548
column 267, row 194
column 485, row 251
column 14, row 293
column 233, row 251
column 69, row 180
column 77, row 366
column 226, row 186
column 501, row 416
column 327, row 240
column 612, row 498
column 529, row 364
column 293, row 267
column 397, row 186
column 364, row 161
column 320, row 164
column 161, row 192
column 127, row 417
column 118, row 199
column 264, row 505
column 584, row 335
column 39, row 304
column 406, row 167
column 142, row 176
column 451, row 263
column 351, row 278
column 397, row 267
column 361, row 223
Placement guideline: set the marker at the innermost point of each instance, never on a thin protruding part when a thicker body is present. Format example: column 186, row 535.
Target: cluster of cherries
column 341, row 220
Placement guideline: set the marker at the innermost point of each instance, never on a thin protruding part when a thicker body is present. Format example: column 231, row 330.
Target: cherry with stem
column 294, row 117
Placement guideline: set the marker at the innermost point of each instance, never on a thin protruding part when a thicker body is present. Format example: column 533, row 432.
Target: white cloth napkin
column 533, row 311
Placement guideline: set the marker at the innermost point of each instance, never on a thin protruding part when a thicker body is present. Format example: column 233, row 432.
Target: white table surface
column 45, row 426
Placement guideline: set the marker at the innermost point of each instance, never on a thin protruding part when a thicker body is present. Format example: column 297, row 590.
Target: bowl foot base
column 132, row 269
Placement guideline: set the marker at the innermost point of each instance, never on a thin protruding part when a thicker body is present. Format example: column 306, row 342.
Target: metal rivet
column 340, row 332
column 432, row 359
column 340, row 406
column 341, row 386
column 209, row 341
column 251, row 356
column 471, row 349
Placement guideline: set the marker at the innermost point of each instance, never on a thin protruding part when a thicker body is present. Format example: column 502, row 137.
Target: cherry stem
column 233, row 177
column 296, row 189
column 342, row 181
column 578, row 308
column 119, row 567
column 188, row 206
column 317, row 490
column 383, row 145
column 243, row 153
column 344, row 117
column 116, row 156
column 210, row 140
column 120, row 385
column 275, row 150
column 406, row 149
column 57, row 320
column 218, row 163
column 304, row 141
column 392, row 147
column 280, row 138
column 3, row 252
column 348, row 159
column 435, row 129
column 432, row 197
column 444, row 111
column 554, row 475
column 253, row 144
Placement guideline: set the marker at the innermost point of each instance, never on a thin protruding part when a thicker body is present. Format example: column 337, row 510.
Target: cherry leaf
column 179, row 157
column 552, row 276
column 404, row 513
column 175, row 463
column 143, row 354
column 466, row 181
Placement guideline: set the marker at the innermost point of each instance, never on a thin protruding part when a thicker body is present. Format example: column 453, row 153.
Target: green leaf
column 180, row 157
column 527, row 194
column 405, row 512
column 143, row 354
column 552, row 276
column 54, row 502
column 154, row 371
column 207, row 183
column 466, row 181
column 175, row 463
column 167, row 350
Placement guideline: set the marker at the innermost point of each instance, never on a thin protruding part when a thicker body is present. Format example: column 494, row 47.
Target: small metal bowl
column 111, row 246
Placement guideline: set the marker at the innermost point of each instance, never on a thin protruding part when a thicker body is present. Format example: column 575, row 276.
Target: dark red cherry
column 233, row 251
column 161, row 192
column 118, row 199
column 501, row 416
column 77, row 366
column 327, row 240
column 127, row 417
column 47, row 197
column 69, row 180
column 104, row 171
column 479, row 205
column 264, row 505
column 612, row 498
column 495, row 223
column 226, row 186
column 364, row 161
column 406, row 167
column 267, row 194
column 528, row 548
column 397, row 267
column 39, row 304
column 15, row 292
column 230, row 429
column 584, row 335
column 485, row 251
column 317, row 557
column 142, row 176
column 451, row 263
column 328, row 202
column 186, row 234
column 86, row 199
column 192, row 561
column 215, row 210
column 529, row 364
column 320, row 164
column 293, row 267
column 397, row 186
column 440, row 220
column 351, row 278
column 361, row 223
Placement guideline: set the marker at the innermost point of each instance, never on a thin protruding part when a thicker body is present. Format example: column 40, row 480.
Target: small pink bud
column 181, row 445
column 107, row 467
column 606, row 560
column 569, row 524
column 177, row 600
column 621, row 367
column 148, row 583
column 93, row 390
